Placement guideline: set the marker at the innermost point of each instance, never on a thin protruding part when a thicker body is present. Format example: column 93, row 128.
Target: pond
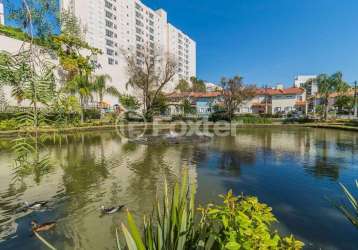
column 294, row 170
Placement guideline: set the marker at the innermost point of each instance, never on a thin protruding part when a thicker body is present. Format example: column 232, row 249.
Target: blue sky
column 269, row 41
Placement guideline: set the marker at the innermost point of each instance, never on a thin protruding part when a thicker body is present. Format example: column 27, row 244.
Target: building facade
column 120, row 27
column 202, row 102
column 301, row 80
column 2, row 13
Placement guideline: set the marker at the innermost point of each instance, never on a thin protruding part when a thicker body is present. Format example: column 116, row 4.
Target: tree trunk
column 326, row 109
column 82, row 110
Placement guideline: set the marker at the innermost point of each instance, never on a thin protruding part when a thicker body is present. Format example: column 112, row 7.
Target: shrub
column 133, row 117
column 186, row 118
column 353, row 123
column 219, row 116
column 8, row 115
column 240, row 223
column 298, row 120
column 92, row 114
column 251, row 119
column 244, row 223
column 129, row 102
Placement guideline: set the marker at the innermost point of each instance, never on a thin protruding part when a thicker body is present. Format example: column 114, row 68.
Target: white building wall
column 300, row 80
column 286, row 102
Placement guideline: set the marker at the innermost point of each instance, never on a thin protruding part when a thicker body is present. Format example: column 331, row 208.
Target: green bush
column 133, row 117
column 8, row 115
column 244, row 223
column 353, row 123
column 252, row 119
column 298, row 120
column 92, row 114
column 185, row 118
column 220, row 115
column 240, row 223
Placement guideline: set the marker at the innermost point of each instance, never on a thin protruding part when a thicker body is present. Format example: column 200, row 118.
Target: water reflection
column 90, row 169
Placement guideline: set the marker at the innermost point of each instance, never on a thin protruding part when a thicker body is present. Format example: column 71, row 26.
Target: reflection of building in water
column 294, row 141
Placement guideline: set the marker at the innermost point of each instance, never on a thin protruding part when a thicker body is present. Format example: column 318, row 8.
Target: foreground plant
column 244, row 223
column 240, row 223
column 352, row 216
column 170, row 227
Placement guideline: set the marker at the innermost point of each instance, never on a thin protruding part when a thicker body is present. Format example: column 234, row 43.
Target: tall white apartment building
column 115, row 26
column 2, row 13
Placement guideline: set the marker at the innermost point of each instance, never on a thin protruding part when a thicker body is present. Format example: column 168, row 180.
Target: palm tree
column 329, row 84
column 81, row 85
column 100, row 87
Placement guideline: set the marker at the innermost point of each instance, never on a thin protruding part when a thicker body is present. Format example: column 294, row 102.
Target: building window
column 110, row 52
column 110, row 61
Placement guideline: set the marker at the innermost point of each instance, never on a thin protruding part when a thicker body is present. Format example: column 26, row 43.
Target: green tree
column 75, row 55
column 197, row 85
column 44, row 16
column 129, row 102
column 76, row 60
column 187, row 107
column 329, row 84
column 183, row 86
column 234, row 92
column 148, row 75
column 101, row 88
column 81, row 86
column 160, row 104
column 344, row 102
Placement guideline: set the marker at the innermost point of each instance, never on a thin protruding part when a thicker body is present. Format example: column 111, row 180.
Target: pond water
column 294, row 170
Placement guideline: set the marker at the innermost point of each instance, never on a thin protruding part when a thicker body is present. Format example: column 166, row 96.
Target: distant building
column 275, row 100
column 212, row 87
column 2, row 13
column 267, row 100
column 115, row 26
column 300, row 81
column 203, row 102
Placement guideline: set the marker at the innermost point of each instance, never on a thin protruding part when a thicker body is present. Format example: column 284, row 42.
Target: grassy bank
column 331, row 126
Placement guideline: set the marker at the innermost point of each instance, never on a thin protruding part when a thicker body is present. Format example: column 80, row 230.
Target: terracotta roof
column 259, row 91
column 288, row 91
column 193, row 94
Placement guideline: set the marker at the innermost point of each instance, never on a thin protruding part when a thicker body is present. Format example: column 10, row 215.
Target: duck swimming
column 36, row 227
column 111, row 210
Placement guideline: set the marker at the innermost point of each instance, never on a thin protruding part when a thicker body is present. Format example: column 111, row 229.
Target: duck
column 36, row 227
column 35, row 205
column 111, row 210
